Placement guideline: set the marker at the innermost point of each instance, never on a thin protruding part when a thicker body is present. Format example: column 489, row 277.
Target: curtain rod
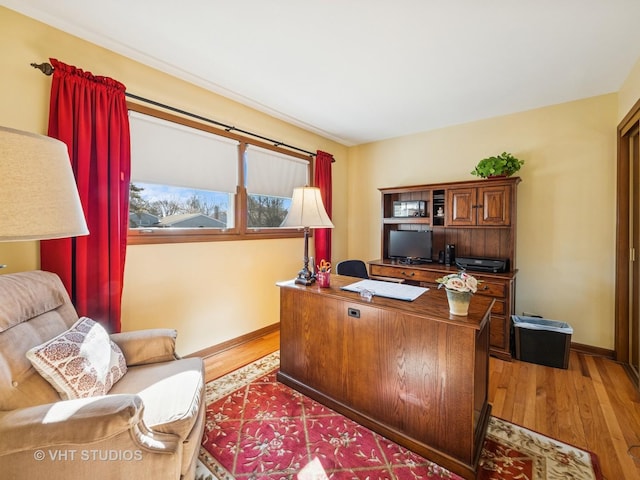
column 47, row 69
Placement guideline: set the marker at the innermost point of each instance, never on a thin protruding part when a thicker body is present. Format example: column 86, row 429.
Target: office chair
column 357, row 268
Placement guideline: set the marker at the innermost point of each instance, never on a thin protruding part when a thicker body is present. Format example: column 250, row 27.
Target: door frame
column 622, row 284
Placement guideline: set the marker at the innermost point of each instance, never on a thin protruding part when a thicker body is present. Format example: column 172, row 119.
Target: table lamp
column 39, row 197
column 307, row 211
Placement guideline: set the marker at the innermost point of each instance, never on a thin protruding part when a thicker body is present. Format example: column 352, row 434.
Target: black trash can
column 541, row 341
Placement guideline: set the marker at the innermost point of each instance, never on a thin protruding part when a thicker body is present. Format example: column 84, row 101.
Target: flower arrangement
column 459, row 282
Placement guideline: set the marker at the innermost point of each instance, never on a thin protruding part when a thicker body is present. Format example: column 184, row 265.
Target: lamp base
column 305, row 277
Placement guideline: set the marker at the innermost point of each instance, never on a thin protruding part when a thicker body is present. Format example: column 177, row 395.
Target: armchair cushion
column 27, row 301
column 80, row 362
column 172, row 393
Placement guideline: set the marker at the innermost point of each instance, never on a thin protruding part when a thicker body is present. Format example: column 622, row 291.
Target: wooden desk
column 407, row 370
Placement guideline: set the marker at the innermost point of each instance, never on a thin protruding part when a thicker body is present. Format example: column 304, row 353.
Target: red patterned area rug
column 258, row 428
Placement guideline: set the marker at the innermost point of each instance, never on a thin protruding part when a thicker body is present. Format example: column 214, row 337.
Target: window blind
column 167, row 153
column 272, row 173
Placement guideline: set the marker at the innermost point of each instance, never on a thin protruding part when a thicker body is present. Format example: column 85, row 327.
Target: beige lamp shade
column 307, row 210
column 38, row 197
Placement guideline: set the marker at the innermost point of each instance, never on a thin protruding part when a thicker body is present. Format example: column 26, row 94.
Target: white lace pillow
column 81, row 362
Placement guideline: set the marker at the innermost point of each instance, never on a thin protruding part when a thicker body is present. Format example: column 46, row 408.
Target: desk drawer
column 405, row 272
column 497, row 337
column 497, row 290
column 499, row 308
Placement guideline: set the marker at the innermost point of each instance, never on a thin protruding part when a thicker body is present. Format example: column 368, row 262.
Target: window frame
column 143, row 236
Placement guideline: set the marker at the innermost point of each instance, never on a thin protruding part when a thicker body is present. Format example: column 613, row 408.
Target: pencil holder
column 324, row 279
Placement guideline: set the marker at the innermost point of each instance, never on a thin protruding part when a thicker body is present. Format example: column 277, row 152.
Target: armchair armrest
column 147, row 346
column 77, row 422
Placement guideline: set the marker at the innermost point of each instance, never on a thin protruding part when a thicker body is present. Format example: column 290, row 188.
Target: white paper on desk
column 399, row 291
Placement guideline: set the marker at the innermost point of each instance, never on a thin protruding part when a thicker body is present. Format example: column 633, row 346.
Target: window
column 270, row 178
column 193, row 182
column 154, row 205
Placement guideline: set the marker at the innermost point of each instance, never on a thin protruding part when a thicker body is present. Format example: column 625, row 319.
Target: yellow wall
column 566, row 201
column 210, row 292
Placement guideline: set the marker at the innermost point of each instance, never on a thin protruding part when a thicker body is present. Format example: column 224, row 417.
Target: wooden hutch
column 479, row 218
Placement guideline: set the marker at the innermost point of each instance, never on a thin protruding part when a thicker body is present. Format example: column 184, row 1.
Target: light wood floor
column 592, row 405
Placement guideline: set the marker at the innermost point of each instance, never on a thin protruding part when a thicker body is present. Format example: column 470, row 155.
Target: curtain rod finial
column 45, row 68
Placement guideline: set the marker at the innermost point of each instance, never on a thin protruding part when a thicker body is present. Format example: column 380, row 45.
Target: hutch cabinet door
column 461, row 207
column 495, row 205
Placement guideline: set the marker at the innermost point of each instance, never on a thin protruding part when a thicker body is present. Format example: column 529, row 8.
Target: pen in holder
column 323, row 274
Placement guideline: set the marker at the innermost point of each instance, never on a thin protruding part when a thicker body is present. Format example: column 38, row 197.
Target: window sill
column 158, row 236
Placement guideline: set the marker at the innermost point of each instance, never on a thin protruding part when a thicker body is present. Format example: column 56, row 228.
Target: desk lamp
column 39, row 197
column 307, row 211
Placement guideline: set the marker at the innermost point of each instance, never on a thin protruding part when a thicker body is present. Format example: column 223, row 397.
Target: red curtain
column 322, row 180
column 89, row 114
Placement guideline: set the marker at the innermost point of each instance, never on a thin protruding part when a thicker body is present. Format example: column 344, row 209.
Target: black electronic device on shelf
column 479, row 264
column 449, row 255
column 410, row 246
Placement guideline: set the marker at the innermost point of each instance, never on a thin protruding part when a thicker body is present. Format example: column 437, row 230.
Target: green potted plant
column 503, row 165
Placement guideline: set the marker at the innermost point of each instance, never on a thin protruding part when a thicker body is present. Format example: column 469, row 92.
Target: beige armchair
column 148, row 426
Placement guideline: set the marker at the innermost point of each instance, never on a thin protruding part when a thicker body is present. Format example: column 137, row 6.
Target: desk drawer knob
column 411, row 274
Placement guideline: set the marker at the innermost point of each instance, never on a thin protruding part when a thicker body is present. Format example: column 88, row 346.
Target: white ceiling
column 362, row 70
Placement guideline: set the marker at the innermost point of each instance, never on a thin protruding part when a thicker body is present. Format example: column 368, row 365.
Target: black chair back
column 352, row 268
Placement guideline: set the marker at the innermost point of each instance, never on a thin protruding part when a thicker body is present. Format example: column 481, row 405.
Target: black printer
column 479, row 264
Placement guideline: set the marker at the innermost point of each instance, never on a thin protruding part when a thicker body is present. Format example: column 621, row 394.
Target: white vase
column 458, row 302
